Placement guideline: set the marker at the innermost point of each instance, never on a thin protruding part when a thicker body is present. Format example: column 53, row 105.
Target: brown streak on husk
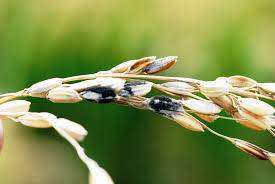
column 252, row 149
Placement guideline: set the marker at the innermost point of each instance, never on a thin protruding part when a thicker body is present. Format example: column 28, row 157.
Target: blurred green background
column 56, row 38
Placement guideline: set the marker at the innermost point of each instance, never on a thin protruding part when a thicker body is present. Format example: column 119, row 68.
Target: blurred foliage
column 43, row 39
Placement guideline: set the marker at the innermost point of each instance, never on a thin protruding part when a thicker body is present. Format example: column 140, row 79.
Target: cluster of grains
column 129, row 83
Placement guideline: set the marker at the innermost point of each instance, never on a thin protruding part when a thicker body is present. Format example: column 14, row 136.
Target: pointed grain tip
column 160, row 65
column 75, row 130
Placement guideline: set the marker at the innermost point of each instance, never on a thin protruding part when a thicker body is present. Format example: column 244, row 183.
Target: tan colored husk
column 241, row 81
column 133, row 65
column 214, row 88
column 179, row 86
column 37, row 120
column 15, row 106
column 256, row 106
column 268, row 87
column 140, row 64
column 75, row 130
column 202, row 106
column 1, row 135
column 188, row 121
column 258, row 121
column 160, row 65
column 246, row 122
column 251, row 149
column 208, row 118
column 123, row 67
column 41, row 88
column 63, row 95
column 226, row 102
